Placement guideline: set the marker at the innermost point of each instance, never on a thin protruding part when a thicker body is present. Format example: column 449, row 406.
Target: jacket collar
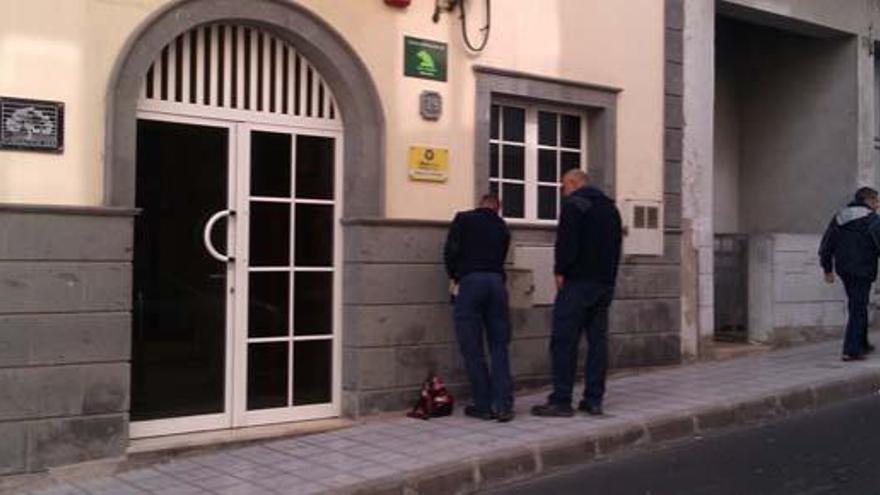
column 853, row 212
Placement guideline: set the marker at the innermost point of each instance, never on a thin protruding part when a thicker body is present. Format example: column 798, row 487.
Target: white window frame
column 530, row 181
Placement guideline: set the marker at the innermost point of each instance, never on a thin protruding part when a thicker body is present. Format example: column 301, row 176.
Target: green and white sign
column 424, row 58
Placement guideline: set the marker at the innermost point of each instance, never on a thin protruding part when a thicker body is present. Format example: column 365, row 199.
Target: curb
column 535, row 460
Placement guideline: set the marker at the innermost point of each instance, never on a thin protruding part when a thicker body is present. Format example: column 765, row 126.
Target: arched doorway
column 232, row 146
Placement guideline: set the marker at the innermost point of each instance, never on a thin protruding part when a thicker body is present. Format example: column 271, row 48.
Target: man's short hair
column 866, row 193
column 577, row 174
column 490, row 200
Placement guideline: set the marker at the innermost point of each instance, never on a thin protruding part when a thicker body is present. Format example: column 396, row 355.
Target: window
column 530, row 147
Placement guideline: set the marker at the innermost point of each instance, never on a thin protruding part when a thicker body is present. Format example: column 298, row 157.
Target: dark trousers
column 580, row 307
column 858, row 293
column 481, row 305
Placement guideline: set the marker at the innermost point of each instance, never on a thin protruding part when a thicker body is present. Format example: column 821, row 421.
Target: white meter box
column 644, row 224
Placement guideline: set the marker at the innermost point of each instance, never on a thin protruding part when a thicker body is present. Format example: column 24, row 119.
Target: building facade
column 245, row 223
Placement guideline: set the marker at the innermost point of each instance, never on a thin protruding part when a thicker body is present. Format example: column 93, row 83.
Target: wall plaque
column 424, row 58
column 428, row 164
column 430, row 105
column 31, row 125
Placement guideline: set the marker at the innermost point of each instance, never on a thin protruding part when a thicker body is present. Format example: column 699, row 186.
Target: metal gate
column 731, row 287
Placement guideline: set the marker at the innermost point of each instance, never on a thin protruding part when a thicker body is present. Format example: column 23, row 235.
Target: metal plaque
column 430, row 105
column 31, row 125
column 428, row 164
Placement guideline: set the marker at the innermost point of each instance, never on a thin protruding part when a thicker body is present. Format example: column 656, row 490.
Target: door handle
column 206, row 236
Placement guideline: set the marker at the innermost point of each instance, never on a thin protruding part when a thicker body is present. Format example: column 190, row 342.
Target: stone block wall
column 65, row 292
column 398, row 320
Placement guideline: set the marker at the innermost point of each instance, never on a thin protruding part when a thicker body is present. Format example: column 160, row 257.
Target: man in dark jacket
column 475, row 250
column 850, row 247
column 588, row 250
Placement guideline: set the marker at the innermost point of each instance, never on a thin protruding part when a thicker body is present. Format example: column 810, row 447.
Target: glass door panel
column 270, row 235
column 180, row 291
column 312, row 372
column 313, row 303
column 270, row 273
column 267, row 375
column 290, row 269
column 269, row 304
column 315, row 171
column 316, row 276
column 314, row 235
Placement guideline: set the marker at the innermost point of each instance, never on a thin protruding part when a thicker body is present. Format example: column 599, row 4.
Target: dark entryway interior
column 785, row 110
column 179, row 343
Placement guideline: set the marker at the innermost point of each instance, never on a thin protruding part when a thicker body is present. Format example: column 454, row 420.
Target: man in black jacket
column 588, row 250
column 850, row 247
column 475, row 250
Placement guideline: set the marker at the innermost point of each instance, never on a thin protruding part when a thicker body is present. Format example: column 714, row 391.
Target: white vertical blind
column 236, row 67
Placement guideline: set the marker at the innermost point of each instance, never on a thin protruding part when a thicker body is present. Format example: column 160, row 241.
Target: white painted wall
column 788, row 297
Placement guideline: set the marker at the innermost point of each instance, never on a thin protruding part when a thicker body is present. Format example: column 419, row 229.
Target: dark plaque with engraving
column 31, row 125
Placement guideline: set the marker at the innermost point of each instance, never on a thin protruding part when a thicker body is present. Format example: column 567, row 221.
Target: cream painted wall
column 65, row 50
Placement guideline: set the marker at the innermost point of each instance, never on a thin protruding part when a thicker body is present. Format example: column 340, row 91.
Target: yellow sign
column 428, row 164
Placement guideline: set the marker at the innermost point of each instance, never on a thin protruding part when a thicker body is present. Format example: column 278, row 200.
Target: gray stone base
column 398, row 320
column 64, row 335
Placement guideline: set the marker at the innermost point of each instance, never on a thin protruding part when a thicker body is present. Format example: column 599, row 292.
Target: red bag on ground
column 434, row 400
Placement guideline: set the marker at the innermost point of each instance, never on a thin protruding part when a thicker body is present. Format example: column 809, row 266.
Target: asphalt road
column 832, row 450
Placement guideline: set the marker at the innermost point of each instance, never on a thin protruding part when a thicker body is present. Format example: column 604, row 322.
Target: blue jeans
column 580, row 307
column 858, row 293
column 482, row 304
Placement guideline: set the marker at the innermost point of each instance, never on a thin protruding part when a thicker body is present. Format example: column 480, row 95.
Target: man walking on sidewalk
column 850, row 247
column 475, row 250
column 588, row 243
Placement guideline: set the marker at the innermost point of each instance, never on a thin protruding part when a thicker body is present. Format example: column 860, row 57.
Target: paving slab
column 460, row 455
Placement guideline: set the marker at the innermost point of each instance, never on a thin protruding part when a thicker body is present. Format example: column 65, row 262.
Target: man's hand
column 829, row 278
column 453, row 287
column 560, row 279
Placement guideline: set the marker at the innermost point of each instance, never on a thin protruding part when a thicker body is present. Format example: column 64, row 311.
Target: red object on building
column 398, row 3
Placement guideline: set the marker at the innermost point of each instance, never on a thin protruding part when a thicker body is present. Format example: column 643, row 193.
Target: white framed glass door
column 288, row 278
column 183, row 296
column 237, row 279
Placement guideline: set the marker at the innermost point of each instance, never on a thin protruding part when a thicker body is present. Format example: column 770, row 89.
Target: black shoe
column 591, row 409
column 505, row 416
column 853, row 357
column 869, row 348
column 473, row 412
column 553, row 411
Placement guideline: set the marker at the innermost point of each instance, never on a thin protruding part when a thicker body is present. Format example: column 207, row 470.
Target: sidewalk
column 459, row 454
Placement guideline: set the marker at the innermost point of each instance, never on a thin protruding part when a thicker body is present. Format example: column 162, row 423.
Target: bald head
column 573, row 180
column 490, row 201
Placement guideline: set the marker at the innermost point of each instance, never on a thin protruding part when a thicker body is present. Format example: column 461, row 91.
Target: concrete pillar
column 868, row 166
column 697, row 222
